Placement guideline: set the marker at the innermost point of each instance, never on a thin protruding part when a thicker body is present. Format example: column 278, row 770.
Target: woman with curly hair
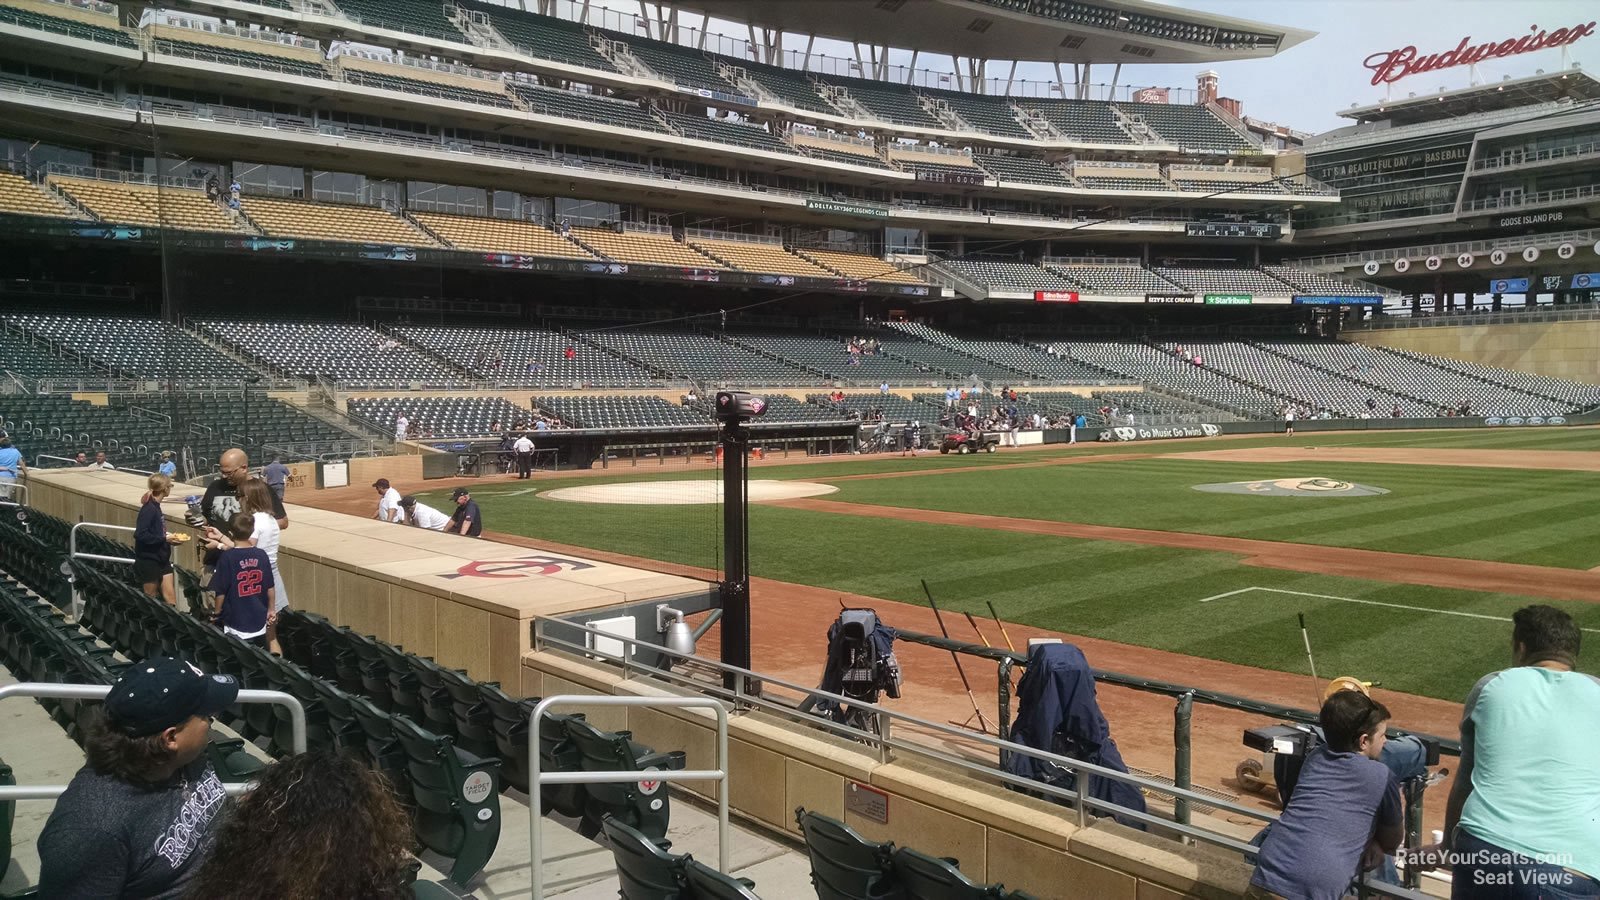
column 317, row 825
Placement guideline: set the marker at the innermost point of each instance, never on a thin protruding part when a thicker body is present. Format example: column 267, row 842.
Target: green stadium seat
column 706, row 883
column 645, row 870
column 457, row 798
column 930, row 878
column 606, row 751
column 845, row 865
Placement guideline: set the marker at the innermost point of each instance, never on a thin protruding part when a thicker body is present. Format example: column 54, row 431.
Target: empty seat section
column 828, row 355
column 1084, row 121
column 1008, row 275
column 444, row 417
column 1029, row 360
column 331, row 221
column 789, row 86
column 488, row 95
column 416, row 16
column 643, row 248
column 896, row 410
column 1320, row 390
column 351, row 355
column 698, row 356
column 1187, row 125
column 753, row 256
column 1225, row 281
column 861, row 265
column 528, row 357
column 838, row 151
column 679, row 65
column 1162, row 368
column 543, row 36
column 19, row 196
column 128, row 203
column 1218, row 185
column 230, row 56
column 551, row 101
column 1022, row 168
column 500, row 235
column 1316, row 283
column 144, row 348
column 107, row 34
column 1116, row 280
column 889, row 102
column 988, row 114
column 726, row 131
column 949, row 364
column 620, row 412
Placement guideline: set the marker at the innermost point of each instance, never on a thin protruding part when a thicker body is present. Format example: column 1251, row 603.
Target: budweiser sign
column 1393, row 65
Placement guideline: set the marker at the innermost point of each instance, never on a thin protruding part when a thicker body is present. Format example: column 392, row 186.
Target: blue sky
column 1306, row 86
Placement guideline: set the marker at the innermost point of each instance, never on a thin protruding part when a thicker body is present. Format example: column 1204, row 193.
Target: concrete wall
column 998, row 836
column 1558, row 349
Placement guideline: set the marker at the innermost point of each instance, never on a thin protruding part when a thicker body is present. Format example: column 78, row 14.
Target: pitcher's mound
column 682, row 492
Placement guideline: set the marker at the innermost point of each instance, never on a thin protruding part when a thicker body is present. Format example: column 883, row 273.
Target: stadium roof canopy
column 1107, row 31
column 1511, row 93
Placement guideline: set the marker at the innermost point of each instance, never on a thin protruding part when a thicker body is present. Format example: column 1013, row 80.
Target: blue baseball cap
column 162, row 693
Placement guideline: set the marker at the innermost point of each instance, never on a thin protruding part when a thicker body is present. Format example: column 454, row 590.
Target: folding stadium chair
column 930, row 878
column 845, row 865
column 706, row 883
column 645, row 870
column 379, row 746
column 437, row 704
column 473, row 720
column 457, row 798
column 605, row 751
column 403, row 688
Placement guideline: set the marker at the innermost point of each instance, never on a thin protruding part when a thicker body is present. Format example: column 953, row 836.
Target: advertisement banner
column 1055, row 296
column 1586, row 281
column 1157, row 432
column 848, row 209
column 1171, row 298
column 1508, row 286
column 1228, row 299
column 1368, row 300
column 1150, row 95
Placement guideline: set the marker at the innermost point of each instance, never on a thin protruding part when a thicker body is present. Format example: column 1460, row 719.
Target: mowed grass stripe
column 1430, row 510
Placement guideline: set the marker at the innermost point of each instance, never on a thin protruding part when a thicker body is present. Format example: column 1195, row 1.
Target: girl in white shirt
column 255, row 497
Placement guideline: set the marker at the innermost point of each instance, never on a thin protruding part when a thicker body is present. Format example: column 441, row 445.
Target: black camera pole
column 733, row 410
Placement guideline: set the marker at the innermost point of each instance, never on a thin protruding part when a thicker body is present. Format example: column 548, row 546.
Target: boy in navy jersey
column 244, row 586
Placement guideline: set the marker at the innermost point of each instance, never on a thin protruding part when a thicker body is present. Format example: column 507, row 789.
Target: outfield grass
column 1145, row 595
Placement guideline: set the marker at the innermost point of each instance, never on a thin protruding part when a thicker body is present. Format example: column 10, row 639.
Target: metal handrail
column 537, row 779
column 1078, row 798
column 72, row 543
column 9, row 492
column 297, row 721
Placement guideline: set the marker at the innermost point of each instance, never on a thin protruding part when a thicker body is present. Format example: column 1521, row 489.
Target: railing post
column 1182, row 715
column 1415, row 789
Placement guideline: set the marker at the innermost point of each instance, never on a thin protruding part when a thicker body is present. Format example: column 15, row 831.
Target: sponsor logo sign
column 1586, row 281
column 1150, row 95
column 1055, row 296
column 1158, row 432
column 520, row 567
column 1392, row 65
column 1508, row 286
column 1228, row 299
column 848, row 209
column 477, row 787
column 1365, row 300
column 648, row 788
column 1171, row 298
column 1548, row 218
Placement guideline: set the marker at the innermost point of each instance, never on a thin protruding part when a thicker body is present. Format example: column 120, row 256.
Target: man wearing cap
column 422, row 515
column 388, row 502
column 466, row 519
column 141, row 817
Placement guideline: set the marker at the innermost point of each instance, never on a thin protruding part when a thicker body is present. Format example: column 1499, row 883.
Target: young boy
column 1344, row 813
column 243, row 584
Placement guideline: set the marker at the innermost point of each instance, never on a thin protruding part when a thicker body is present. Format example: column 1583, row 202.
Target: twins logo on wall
column 521, row 567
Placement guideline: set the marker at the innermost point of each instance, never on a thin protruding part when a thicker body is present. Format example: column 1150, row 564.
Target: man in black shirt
column 466, row 519
column 221, row 501
column 140, row 818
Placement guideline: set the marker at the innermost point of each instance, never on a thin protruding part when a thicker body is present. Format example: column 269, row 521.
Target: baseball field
column 1406, row 551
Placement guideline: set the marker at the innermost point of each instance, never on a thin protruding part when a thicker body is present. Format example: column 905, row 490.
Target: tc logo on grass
column 1294, row 487
column 518, row 568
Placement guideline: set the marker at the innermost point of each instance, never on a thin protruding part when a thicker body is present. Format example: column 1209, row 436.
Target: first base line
column 1425, row 609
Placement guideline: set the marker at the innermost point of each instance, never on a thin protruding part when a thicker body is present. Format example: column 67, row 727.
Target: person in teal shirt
column 168, row 467
column 1523, row 820
column 11, row 466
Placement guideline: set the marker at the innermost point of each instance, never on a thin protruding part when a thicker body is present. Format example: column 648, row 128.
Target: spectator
column 234, row 190
column 168, row 467
column 466, row 520
column 256, row 499
column 401, row 425
column 1395, row 413
column 422, row 515
column 571, row 353
column 884, row 388
column 541, row 424
column 243, row 583
column 320, row 824
column 276, row 475
column 1344, row 812
column 12, row 466
column 388, row 502
column 213, row 189
column 140, row 818
column 1523, row 819
column 1288, row 420
column 152, row 545
column 100, row 461
column 523, row 447
column 81, row 459
column 221, row 500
